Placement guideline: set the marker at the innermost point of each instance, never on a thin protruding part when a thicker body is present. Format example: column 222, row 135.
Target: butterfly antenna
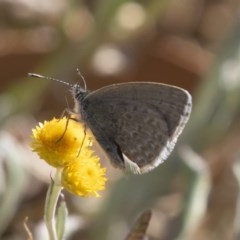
column 83, row 79
column 49, row 78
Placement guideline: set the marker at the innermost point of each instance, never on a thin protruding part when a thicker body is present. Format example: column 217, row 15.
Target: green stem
column 53, row 193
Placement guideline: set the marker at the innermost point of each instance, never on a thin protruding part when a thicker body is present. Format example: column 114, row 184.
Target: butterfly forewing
column 137, row 121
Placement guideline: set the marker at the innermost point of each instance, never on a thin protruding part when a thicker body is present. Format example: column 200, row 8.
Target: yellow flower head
column 58, row 142
column 84, row 177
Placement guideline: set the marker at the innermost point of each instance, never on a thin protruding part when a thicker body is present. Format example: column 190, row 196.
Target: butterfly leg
column 82, row 140
column 67, row 110
column 69, row 113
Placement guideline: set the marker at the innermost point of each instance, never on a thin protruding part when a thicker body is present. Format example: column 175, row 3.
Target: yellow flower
column 59, row 143
column 84, row 177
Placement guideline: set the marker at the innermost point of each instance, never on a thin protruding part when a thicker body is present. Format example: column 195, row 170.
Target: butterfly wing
column 137, row 124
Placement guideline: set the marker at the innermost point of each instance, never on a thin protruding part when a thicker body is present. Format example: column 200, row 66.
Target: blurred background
column 193, row 44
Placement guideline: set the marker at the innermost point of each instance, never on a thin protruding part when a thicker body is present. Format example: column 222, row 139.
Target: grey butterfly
column 137, row 124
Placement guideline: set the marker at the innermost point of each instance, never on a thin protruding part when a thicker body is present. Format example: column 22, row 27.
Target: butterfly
column 137, row 124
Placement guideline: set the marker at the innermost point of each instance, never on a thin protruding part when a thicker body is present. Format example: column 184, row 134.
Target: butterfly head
column 78, row 92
